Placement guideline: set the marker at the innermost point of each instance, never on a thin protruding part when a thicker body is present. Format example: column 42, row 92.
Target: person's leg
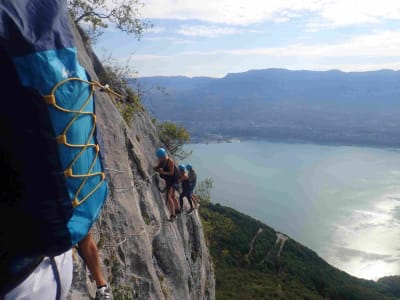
column 196, row 200
column 90, row 254
column 189, row 198
column 175, row 199
column 167, row 197
column 187, row 195
column 170, row 202
column 181, row 200
column 193, row 198
column 196, row 204
column 171, row 208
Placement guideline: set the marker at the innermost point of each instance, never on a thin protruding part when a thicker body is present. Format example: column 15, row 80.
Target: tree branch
column 92, row 13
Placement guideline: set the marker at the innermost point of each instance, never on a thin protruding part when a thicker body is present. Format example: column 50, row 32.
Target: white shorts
column 41, row 284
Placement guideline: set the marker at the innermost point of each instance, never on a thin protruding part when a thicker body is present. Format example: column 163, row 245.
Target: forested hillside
column 253, row 261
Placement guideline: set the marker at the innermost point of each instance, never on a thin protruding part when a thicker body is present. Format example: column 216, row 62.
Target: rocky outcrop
column 144, row 255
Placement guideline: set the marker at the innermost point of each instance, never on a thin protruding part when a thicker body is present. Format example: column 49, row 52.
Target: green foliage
column 115, row 268
column 216, row 227
column 164, row 288
column 126, row 112
column 115, row 76
column 298, row 273
column 101, row 241
column 122, row 293
column 129, row 107
column 174, row 137
column 390, row 285
column 203, row 190
column 146, row 218
column 125, row 14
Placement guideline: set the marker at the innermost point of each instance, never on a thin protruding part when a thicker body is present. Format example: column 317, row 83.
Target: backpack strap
column 56, row 276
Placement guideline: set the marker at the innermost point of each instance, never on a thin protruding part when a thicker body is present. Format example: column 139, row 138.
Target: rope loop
column 62, row 139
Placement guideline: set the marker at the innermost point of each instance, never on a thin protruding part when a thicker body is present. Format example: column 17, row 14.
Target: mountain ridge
column 266, row 69
column 359, row 108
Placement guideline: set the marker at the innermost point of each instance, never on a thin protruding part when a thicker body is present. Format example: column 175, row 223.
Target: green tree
column 97, row 14
column 203, row 190
column 115, row 76
column 174, row 137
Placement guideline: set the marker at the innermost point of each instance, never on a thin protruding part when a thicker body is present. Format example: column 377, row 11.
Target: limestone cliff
column 144, row 255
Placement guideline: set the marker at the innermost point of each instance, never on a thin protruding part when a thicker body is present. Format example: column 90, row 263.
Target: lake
column 341, row 201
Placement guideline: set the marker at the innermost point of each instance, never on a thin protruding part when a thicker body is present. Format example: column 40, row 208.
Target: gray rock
column 144, row 256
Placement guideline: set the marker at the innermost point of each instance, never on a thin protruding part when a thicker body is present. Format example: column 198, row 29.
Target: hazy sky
column 216, row 37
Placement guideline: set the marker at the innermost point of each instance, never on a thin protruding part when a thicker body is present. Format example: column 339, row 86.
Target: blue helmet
column 189, row 167
column 161, row 153
column 181, row 167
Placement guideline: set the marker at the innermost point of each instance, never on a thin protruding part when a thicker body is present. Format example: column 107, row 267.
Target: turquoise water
column 342, row 202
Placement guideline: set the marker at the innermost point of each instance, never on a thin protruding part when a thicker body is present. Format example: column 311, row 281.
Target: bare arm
column 157, row 167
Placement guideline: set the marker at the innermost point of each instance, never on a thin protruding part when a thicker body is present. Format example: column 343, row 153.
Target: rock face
column 144, row 255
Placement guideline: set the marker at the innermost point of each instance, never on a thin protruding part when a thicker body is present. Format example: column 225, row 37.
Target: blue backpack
column 53, row 185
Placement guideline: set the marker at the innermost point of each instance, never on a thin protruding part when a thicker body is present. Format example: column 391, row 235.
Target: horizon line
column 272, row 68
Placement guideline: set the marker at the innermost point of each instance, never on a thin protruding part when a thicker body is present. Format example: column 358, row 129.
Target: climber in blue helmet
column 161, row 153
column 167, row 170
column 184, row 181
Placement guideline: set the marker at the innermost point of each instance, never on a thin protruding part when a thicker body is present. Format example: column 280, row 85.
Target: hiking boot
column 190, row 211
column 172, row 218
column 103, row 293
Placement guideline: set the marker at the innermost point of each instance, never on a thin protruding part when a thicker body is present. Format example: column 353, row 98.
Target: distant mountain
column 319, row 106
column 253, row 261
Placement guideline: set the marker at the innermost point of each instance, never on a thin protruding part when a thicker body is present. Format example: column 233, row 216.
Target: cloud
column 239, row 12
column 244, row 12
column 363, row 53
column 344, row 12
column 207, row 31
column 174, row 40
column 347, row 254
column 384, row 44
column 156, row 29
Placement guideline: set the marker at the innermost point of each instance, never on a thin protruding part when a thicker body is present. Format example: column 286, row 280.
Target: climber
column 167, row 170
column 89, row 252
column 192, row 183
column 184, row 181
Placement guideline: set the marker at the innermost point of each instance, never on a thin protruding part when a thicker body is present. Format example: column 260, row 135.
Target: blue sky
column 216, row 37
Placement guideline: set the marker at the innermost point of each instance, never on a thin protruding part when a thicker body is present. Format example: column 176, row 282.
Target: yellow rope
column 62, row 138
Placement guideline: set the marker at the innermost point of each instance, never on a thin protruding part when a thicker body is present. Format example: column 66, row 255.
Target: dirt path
column 253, row 240
column 280, row 238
